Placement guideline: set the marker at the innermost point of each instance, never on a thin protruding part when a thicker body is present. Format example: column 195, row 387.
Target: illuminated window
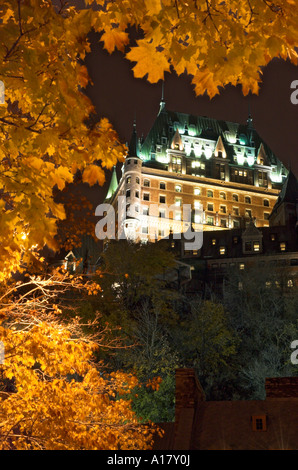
column 273, row 237
column 197, row 191
column 290, row 283
column 248, row 213
column 147, row 183
column 145, row 210
column 282, row 246
column 210, row 220
column 222, row 195
column 209, row 193
column 177, row 215
column 259, row 423
column 178, row 188
column 178, row 201
column 241, row 266
column 235, row 197
column 256, row 246
column 222, row 250
column 128, row 180
column 222, row 209
column 213, row 241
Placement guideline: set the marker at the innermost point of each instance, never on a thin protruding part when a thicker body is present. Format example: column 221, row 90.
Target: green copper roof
column 203, row 127
column 113, row 184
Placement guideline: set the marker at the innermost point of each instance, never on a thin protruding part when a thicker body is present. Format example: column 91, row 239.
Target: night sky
column 120, row 97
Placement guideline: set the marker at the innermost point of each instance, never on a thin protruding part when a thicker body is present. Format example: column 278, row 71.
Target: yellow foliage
column 44, row 138
column 62, row 400
column 217, row 42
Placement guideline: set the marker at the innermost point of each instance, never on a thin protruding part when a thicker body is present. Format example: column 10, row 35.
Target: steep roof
column 289, row 191
column 205, row 127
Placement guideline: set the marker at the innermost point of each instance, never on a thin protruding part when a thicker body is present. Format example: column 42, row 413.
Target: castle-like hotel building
column 223, row 168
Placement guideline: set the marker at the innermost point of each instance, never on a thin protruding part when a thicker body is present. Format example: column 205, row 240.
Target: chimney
column 188, row 393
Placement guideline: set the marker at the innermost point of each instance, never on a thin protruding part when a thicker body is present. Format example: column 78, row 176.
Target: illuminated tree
column 60, row 398
column 44, row 133
column 216, row 42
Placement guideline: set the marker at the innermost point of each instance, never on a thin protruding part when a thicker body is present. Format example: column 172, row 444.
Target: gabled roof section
column 176, row 141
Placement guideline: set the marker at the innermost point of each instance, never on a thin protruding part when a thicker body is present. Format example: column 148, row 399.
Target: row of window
column 197, row 192
column 210, row 205
column 253, row 246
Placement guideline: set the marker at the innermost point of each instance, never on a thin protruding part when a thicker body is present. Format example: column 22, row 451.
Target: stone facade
column 223, row 168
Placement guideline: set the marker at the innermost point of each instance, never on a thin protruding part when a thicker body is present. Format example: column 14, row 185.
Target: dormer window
column 259, row 423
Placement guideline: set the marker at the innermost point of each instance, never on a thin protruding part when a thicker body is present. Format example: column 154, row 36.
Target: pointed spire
column 162, row 101
column 113, row 184
column 133, row 144
column 249, row 119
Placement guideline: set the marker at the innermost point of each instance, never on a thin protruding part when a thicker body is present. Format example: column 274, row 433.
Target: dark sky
column 120, row 97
